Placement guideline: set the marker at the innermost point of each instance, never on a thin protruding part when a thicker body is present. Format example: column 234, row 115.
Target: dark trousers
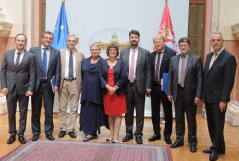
column 215, row 122
column 12, row 99
column 182, row 107
column 158, row 96
column 137, row 100
column 48, row 96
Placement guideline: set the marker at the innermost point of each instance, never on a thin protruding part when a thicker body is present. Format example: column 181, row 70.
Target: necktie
column 131, row 76
column 156, row 74
column 44, row 63
column 71, row 75
column 183, row 68
column 17, row 63
column 213, row 59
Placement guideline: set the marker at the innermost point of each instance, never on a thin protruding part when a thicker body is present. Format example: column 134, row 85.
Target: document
column 164, row 82
column 53, row 83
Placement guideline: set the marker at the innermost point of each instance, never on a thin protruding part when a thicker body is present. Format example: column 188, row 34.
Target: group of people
column 118, row 85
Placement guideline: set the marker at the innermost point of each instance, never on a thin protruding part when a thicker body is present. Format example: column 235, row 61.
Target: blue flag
column 61, row 29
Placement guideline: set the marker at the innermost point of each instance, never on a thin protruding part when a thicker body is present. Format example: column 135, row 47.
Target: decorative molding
column 232, row 115
column 235, row 30
column 5, row 28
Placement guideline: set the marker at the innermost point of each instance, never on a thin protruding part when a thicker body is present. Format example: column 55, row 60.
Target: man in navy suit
column 140, row 79
column 48, row 66
column 160, row 60
column 219, row 76
column 185, row 89
column 18, row 82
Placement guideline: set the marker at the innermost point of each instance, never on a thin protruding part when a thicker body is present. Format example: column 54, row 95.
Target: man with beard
column 139, row 84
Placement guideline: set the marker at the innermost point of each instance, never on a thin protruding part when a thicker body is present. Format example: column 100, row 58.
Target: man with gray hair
column 70, row 86
column 219, row 76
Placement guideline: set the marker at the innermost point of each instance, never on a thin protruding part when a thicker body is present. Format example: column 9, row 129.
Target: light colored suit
column 69, row 91
column 137, row 90
column 18, row 82
column 44, row 89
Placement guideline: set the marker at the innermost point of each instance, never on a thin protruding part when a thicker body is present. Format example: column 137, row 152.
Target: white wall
column 94, row 20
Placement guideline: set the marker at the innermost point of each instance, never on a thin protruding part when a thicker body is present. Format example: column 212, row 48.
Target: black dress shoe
column 127, row 138
column 168, row 140
column 50, row 137
column 213, row 156
column 176, row 144
column 35, row 137
column 208, row 151
column 22, row 140
column 154, row 137
column 72, row 134
column 61, row 134
column 139, row 140
column 193, row 148
column 11, row 139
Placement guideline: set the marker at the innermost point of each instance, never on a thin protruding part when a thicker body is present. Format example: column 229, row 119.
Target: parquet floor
column 179, row 154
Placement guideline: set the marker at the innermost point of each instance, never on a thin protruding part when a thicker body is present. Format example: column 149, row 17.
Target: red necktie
column 183, row 68
column 17, row 63
column 131, row 76
column 156, row 74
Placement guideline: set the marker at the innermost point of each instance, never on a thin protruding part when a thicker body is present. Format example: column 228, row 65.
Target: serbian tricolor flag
column 166, row 29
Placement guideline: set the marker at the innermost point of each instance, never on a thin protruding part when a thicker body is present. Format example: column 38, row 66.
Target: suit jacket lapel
column 189, row 61
column 63, row 63
column 177, row 63
column 23, row 59
column 50, row 59
column 217, row 60
column 138, row 57
column 127, row 54
column 39, row 57
column 12, row 54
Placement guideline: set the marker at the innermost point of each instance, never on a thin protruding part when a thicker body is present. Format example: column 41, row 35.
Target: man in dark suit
column 185, row 89
column 48, row 66
column 18, row 83
column 219, row 76
column 160, row 60
column 70, row 85
column 140, row 79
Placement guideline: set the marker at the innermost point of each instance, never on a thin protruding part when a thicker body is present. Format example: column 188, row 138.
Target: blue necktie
column 44, row 63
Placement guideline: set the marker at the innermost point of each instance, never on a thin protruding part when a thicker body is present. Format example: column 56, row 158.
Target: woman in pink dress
column 113, row 78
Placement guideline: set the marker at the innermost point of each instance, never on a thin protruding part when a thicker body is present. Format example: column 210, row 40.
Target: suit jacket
column 143, row 75
column 120, row 76
column 219, row 79
column 79, row 58
column 23, row 77
column 193, row 78
column 164, row 66
column 53, row 69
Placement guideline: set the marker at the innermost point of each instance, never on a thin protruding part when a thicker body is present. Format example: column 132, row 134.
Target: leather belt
column 43, row 80
column 70, row 79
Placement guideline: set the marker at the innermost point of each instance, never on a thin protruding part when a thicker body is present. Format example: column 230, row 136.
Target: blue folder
column 164, row 82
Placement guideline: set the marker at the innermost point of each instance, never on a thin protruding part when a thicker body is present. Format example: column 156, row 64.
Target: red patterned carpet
column 43, row 150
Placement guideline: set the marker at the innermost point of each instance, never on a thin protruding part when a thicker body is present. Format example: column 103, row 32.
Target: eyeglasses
column 112, row 49
column 71, row 41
